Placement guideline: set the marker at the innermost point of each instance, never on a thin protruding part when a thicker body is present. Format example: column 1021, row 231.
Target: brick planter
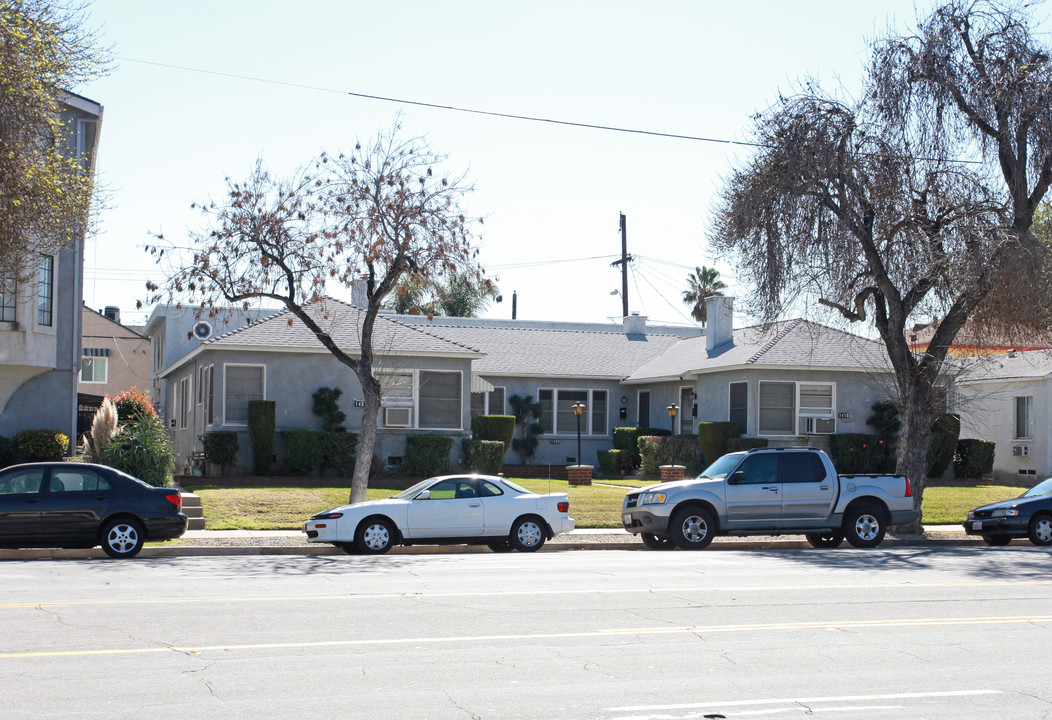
column 579, row 474
column 671, row 473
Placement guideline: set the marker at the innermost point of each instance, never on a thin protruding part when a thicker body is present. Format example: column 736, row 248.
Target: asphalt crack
column 463, row 709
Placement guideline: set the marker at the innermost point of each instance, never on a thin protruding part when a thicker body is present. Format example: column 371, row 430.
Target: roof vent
column 202, row 330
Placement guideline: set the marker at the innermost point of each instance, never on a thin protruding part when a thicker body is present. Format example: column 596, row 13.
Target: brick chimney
column 719, row 321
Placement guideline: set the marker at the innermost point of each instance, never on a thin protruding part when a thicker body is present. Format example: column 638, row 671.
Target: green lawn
column 592, row 506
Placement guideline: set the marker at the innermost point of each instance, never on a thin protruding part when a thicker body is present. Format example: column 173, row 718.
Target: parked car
column 462, row 509
column 1029, row 516
column 770, row 492
column 81, row 505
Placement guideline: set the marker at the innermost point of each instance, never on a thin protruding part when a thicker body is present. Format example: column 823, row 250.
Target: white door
column 453, row 509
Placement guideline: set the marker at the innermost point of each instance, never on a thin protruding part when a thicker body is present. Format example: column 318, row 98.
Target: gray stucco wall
column 988, row 413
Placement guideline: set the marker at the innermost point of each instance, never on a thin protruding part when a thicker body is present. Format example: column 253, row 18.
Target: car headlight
column 1005, row 512
column 652, row 498
column 327, row 515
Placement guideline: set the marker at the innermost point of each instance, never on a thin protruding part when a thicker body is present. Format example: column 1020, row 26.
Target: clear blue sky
column 549, row 193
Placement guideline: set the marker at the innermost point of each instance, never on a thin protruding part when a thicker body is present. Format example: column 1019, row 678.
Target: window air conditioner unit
column 1021, row 450
column 397, row 416
column 817, row 426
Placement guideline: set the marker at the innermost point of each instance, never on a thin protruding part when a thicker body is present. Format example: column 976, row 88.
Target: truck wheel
column 656, row 542
column 825, row 539
column 692, row 528
column 864, row 526
column 1040, row 531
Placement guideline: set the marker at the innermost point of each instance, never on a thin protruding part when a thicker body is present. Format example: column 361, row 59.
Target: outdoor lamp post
column 578, row 410
column 673, row 411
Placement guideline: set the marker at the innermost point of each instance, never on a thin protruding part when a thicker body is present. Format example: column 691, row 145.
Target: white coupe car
column 472, row 509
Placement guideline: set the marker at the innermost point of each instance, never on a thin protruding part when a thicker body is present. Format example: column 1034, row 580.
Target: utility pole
column 623, row 262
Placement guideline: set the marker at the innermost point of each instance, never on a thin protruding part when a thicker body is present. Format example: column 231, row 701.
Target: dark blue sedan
column 80, row 505
column 1029, row 516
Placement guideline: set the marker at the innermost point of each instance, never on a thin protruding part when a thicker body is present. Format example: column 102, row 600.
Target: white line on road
column 803, row 701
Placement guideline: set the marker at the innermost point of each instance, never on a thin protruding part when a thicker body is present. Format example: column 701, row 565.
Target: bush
column 303, row 450
column 8, row 451
column 132, row 403
column 858, row 454
column 338, row 451
column 609, row 461
column 41, row 445
column 143, row 448
column 261, row 426
column 326, row 406
column 974, row 459
column 654, row 452
column 494, row 427
column 713, row 437
column 426, row 455
column 652, row 432
column 627, row 440
column 221, row 449
column 483, row 456
column 945, row 430
column 739, row 444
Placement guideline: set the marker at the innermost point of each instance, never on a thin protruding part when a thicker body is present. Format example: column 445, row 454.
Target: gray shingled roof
column 795, row 343
column 518, row 351
column 1004, row 367
column 343, row 321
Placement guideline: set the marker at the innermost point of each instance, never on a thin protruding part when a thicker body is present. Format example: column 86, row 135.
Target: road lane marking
column 676, row 590
column 609, row 633
column 805, row 700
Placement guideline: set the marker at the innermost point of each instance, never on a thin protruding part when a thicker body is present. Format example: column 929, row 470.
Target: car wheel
column 657, row 542
column 825, row 540
column 997, row 540
column 348, row 547
column 864, row 526
column 122, row 538
column 1040, row 530
column 499, row 547
column 375, row 536
column 527, row 535
column 692, row 528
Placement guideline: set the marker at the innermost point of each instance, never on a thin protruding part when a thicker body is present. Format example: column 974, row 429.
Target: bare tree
column 915, row 202
column 372, row 215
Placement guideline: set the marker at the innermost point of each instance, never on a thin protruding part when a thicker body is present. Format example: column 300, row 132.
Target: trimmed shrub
column 483, row 456
column 713, row 437
column 609, row 461
column 655, row 451
column 261, row 425
column 857, row 453
column 327, row 407
column 221, row 449
column 739, row 444
column 143, row 448
column 338, row 451
column 974, row 459
column 8, row 451
column 494, row 427
column 131, row 403
column 426, row 455
column 945, row 430
column 303, row 450
column 652, row 432
column 41, row 445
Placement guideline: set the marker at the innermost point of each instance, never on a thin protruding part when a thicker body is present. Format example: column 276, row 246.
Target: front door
column 807, row 492
column 76, row 501
column 454, row 509
column 754, row 495
column 20, row 495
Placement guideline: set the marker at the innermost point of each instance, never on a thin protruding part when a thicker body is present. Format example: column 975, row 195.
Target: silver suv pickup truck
column 770, row 492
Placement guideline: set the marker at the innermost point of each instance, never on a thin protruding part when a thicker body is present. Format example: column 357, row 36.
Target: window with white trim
column 206, row 392
column 488, row 403
column 440, row 399
column 93, row 369
column 557, row 416
column 1024, row 418
column 739, row 406
column 184, row 400
column 241, row 384
column 7, row 298
column 790, row 408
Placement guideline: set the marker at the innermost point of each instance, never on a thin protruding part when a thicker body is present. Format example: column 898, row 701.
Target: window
column 45, row 290
column 205, row 392
column 488, row 403
column 396, row 388
column 779, row 402
column 78, row 481
column 557, row 414
column 686, row 411
column 777, row 408
column 21, row 482
column 183, row 403
column 7, row 298
column 242, row 384
column 739, row 410
column 93, row 369
column 644, row 409
column 800, row 467
column 760, row 469
column 1024, row 417
column 440, row 399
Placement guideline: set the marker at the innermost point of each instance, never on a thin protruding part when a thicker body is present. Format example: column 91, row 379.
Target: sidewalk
column 293, row 542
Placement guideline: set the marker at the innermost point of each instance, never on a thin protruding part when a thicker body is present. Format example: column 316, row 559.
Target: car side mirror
column 737, row 478
column 424, row 495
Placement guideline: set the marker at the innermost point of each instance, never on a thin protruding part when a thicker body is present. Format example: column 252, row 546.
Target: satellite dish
column 202, row 330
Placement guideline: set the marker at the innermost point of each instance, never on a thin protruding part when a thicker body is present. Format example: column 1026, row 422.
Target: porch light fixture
column 673, row 411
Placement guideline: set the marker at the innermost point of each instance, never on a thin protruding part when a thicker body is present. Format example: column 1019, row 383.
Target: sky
column 200, row 90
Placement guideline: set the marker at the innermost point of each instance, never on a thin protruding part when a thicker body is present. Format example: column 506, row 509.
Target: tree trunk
column 367, row 436
column 913, row 444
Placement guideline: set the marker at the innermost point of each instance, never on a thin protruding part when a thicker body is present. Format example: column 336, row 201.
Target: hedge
column 945, row 430
column 713, row 437
column 494, row 427
column 304, row 450
column 41, row 445
column 261, row 426
column 609, row 461
column 654, row 452
column 426, row 455
column 338, row 451
column 482, row 456
column 739, row 444
column 974, row 459
column 857, row 453
column 221, row 449
column 8, row 451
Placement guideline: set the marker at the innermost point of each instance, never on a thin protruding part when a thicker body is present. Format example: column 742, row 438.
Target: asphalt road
column 784, row 633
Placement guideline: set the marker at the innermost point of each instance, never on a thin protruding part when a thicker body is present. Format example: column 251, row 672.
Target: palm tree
column 704, row 281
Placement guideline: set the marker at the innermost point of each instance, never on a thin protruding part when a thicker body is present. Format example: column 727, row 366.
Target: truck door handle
column 772, row 488
column 824, row 487
column 474, row 504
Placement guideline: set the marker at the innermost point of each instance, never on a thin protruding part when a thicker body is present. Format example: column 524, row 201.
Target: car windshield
column 411, row 491
column 719, row 469
column 1042, row 488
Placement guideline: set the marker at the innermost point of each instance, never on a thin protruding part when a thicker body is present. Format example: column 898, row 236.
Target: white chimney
column 719, row 320
column 360, row 292
column 635, row 324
